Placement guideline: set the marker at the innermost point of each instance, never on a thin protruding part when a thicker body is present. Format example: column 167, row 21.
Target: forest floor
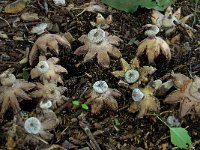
column 111, row 129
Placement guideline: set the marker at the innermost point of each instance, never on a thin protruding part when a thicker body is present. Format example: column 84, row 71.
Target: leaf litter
column 79, row 128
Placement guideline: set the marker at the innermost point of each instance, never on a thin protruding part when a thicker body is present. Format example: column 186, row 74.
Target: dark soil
column 148, row 132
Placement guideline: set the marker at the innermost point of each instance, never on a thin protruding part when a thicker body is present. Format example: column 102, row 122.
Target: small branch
column 93, row 142
column 163, row 121
column 5, row 21
column 59, row 109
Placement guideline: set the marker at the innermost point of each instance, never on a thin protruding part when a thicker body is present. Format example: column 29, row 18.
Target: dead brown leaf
column 16, row 6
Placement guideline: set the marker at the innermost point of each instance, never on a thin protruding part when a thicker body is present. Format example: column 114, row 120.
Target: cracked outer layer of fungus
column 169, row 20
column 153, row 45
column 48, row 70
column 132, row 74
column 50, row 91
column 47, row 41
column 102, row 95
column 144, row 101
column 99, row 43
column 187, row 94
column 13, row 90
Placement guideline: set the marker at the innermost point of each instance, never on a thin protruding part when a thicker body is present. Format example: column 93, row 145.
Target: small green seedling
column 85, row 106
column 25, row 74
column 78, row 103
column 133, row 41
column 179, row 136
column 116, row 122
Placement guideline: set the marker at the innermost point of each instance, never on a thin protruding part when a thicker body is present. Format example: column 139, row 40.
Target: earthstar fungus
column 13, row 91
column 102, row 95
column 47, row 41
column 132, row 73
column 153, row 45
column 99, row 43
column 42, row 125
column 50, row 91
column 48, row 70
column 169, row 20
column 187, row 94
column 102, row 22
column 144, row 103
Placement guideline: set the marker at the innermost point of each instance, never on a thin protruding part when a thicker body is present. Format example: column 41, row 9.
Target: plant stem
column 163, row 121
column 195, row 13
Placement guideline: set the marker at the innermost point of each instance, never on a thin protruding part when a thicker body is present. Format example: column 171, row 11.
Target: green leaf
column 125, row 5
column 132, row 5
column 116, row 122
column 25, row 74
column 76, row 102
column 180, row 137
column 85, row 106
column 133, row 41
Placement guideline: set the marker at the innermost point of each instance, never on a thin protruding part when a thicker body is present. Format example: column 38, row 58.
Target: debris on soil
column 44, row 47
column 16, row 6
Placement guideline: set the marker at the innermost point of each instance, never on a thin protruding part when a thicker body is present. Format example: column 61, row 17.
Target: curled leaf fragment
column 94, row 7
column 16, row 6
column 27, row 16
column 59, row 2
column 39, row 29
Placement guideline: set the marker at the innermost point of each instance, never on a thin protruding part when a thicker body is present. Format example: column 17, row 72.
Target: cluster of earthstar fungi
column 98, row 43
